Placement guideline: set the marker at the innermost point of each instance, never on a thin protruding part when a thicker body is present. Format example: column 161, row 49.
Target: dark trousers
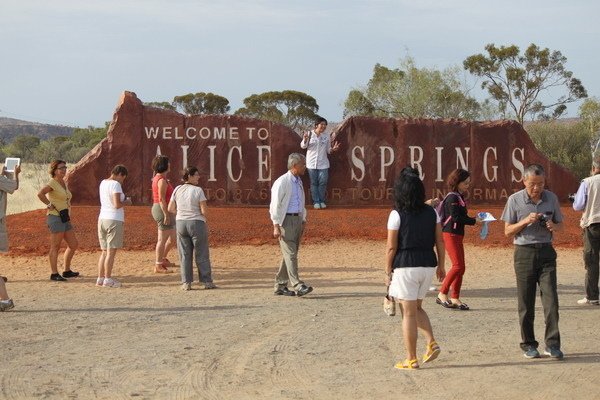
column 591, row 251
column 533, row 267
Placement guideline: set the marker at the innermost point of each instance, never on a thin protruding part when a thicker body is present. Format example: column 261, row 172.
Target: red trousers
column 456, row 252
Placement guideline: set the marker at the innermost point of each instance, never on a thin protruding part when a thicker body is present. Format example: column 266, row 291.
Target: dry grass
column 32, row 178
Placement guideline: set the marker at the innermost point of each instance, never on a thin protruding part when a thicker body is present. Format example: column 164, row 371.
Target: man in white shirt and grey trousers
column 288, row 214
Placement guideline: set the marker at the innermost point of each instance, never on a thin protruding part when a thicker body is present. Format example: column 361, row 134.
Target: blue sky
column 67, row 62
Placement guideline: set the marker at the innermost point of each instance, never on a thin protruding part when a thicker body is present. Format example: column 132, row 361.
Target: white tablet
column 10, row 163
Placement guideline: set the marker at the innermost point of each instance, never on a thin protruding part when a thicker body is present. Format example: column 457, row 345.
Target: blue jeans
column 318, row 184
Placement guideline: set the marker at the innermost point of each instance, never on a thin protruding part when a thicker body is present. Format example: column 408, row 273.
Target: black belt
column 536, row 245
column 293, row 214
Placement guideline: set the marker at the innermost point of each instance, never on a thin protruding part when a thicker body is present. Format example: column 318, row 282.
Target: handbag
column 64, row 215
column 389, row 306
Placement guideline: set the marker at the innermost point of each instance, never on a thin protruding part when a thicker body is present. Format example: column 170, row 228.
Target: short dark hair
column 160, row 164
column 189, row 171
column 409, row 193
column 456, row 177
column 319, row 119
column 119, row 169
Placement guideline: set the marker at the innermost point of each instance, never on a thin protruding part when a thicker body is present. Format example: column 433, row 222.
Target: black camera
column 543, row 218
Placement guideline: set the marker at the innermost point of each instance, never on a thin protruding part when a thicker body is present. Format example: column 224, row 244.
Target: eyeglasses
column 62, row 167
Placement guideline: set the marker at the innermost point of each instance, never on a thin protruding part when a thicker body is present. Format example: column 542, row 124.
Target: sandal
column 459, row 304
column 166, row 263
column 433, row 351
column 160, row 268
column 407, row 364
column 445, row 304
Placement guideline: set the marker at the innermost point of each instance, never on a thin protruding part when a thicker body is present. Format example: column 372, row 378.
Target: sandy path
column 149, row 339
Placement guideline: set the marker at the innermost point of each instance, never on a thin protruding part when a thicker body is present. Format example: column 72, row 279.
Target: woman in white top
column 189, row 203
column 111, row 222
column 413, row 231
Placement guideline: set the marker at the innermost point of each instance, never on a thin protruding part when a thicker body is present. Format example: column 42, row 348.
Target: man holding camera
column 531, row 216
column 587, row 200
column 9, row 182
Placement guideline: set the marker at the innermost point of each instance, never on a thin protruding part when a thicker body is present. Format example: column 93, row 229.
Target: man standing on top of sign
column 318, row 145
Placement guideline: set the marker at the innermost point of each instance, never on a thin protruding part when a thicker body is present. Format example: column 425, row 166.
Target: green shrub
column 566, row 143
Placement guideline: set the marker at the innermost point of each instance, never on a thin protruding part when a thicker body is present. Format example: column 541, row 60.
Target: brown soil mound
column 29, row 235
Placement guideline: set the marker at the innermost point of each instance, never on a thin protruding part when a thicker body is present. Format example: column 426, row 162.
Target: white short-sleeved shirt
column 393, row 223
column 187, row 197
column 108, row 187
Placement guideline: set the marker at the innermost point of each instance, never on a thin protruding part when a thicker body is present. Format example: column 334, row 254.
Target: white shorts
column 411, row 283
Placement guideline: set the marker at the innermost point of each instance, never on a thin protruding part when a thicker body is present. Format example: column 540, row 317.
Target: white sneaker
column 100, row 281
column 586, row 301
column 323, row 205
column 317, row 206
column 111, row 283
column 186, row 286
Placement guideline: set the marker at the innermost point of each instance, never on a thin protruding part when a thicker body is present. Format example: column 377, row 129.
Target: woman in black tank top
column 413, row 231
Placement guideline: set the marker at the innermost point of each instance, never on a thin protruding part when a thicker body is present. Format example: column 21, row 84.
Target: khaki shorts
column 110, row 233
column 159, row 217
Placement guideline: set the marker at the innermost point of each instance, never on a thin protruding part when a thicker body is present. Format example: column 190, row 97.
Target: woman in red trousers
column 454, row 217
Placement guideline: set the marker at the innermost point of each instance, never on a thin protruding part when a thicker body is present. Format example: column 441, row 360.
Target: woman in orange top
column 57, row 198
column 161, row 195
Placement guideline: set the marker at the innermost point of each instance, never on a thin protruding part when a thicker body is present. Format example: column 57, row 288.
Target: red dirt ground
column 28, row 233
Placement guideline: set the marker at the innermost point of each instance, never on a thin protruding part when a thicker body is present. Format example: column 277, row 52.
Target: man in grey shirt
column 531, row 216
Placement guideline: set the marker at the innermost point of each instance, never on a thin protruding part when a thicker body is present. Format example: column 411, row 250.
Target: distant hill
column 11, row 128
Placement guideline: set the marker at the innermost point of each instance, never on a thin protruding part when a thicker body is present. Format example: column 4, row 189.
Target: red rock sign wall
column 374, row 150
column 239, row 158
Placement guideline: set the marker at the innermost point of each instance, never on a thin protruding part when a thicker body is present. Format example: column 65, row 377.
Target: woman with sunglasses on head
column 165, row 221
column 57, row 198
column 189, row 204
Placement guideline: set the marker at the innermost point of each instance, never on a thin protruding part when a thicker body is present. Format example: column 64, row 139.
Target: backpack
column 441, row 208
